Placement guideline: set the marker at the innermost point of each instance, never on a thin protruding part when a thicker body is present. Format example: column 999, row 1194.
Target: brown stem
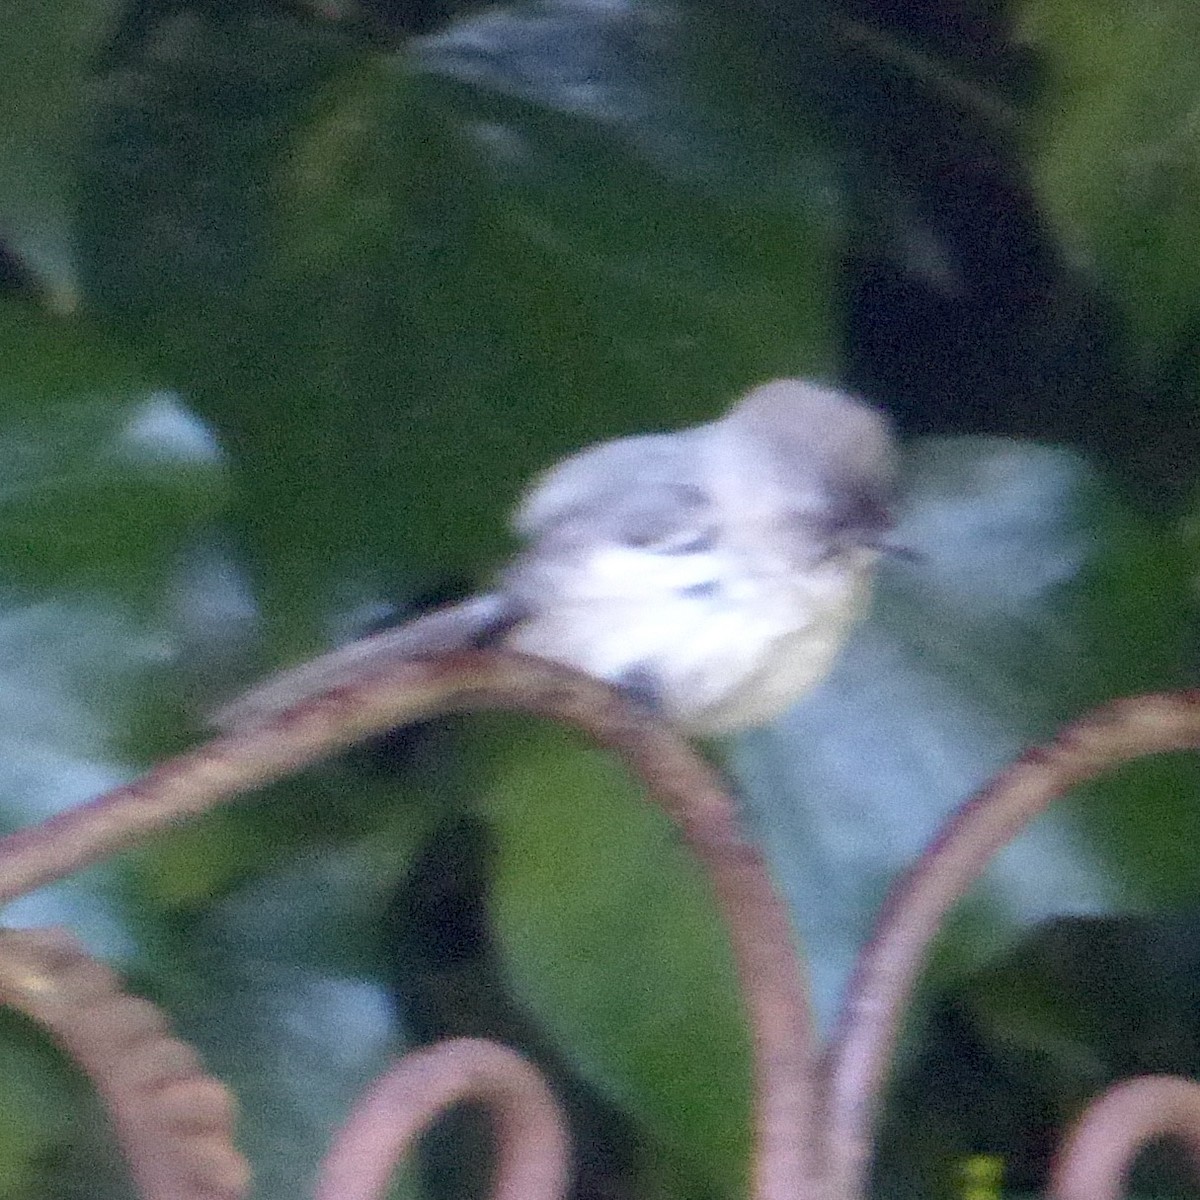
column 173, row 1122
column 918, row 903
column 786, row 1160
column 1094, row 1160
column 532, row 1144
column 786, row 1165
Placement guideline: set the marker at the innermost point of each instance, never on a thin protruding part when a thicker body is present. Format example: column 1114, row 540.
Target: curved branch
column 786, row 1149
column 174, row 1123
column 1094, row 1161
column 532, row 1143
column 917, row 904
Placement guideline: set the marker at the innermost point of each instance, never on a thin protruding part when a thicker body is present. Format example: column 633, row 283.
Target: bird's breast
column 726, row 644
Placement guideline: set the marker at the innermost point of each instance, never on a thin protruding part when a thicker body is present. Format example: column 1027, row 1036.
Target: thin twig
column 887, row 970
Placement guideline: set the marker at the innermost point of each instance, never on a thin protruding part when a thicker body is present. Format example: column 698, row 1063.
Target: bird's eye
column 857, row 514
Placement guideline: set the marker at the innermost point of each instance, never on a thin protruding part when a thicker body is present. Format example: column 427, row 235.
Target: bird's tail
column 472, row 622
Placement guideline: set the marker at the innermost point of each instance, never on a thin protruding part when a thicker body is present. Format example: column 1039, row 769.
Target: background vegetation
column 296, row 296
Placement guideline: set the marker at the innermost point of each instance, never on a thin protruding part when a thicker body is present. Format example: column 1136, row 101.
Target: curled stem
column 887, row 970
column 532, row 1144
column 786, row 1157
column 174, row 1123
column 1094, row 1160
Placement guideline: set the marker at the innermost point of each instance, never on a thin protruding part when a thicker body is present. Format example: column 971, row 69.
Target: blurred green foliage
column 317, row 297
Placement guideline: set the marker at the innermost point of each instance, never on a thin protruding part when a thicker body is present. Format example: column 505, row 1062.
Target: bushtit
column 713, row 572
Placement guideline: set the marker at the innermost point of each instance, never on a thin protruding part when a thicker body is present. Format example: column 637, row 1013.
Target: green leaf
column 394, row 299
column 617, row 947
column 1114, row 136
column 45, row 56
column 100, row 473
column 103, row 480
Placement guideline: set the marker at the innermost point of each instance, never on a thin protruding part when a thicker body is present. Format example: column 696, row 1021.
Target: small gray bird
column 714, row 572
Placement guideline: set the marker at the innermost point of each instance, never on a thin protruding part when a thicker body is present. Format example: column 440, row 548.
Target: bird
column 711, row 572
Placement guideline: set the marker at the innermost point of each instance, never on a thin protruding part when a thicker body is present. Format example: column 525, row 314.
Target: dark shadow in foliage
column 17, row 279
column 960, row 308
column 961, row 314
column 1015, row 1054
column 449, row 982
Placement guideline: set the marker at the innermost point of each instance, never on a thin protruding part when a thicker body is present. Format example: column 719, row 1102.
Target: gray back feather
column 633, row 491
